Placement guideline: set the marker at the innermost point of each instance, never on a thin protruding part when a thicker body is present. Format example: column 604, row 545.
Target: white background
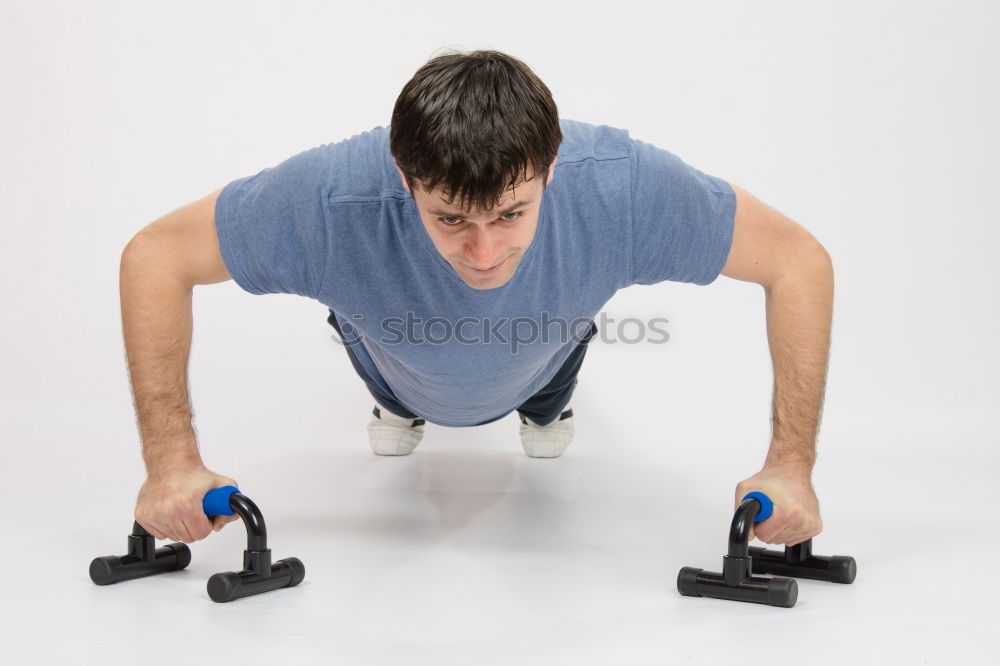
column 873, row 124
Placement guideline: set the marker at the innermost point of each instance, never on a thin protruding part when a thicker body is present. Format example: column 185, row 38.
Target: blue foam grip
column 766, row 505
column 216, row 502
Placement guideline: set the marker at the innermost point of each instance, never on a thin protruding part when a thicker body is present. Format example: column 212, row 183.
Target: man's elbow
column 819, row 257
column 811, row 262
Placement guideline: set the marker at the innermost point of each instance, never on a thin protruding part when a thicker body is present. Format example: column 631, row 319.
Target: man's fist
column 169, row 505
column 796, row 509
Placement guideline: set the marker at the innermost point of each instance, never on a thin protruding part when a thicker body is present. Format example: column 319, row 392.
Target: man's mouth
column 487, row 271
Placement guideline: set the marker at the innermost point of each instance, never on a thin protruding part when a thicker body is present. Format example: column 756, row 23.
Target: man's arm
column 797, row 275
column 159, row 268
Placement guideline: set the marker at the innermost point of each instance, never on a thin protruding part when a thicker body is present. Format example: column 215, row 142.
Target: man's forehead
column 503, row 207
column 517, row 193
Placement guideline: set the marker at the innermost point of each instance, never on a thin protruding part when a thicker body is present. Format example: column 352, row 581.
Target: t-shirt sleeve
column 273, row 227
column 682, row 219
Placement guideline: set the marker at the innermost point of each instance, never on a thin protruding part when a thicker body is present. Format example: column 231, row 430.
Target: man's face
column 483, row 246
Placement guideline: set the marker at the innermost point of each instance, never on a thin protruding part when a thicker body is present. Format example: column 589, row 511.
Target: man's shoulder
column 361, row 167
column 583, row 140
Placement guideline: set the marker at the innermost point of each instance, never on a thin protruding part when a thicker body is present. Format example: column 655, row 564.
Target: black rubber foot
column 222, row 587
column 298, row 570
column 782, row 592
column 183, row 554
column 101, row 569
column 843, row 569
column 687, row 581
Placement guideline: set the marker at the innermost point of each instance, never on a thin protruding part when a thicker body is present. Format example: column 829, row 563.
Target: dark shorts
column 542, row 408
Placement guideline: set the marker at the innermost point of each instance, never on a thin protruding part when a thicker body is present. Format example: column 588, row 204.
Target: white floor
column 468, row 552
column 873, row 124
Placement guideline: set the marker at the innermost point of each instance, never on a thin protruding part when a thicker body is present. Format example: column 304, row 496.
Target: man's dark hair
column 471, row 123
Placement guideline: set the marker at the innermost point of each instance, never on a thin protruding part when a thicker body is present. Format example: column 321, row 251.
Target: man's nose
column 481, row 248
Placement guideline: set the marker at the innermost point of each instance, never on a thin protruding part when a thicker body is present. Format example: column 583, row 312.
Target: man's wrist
column 175, row 457
column 793, row 458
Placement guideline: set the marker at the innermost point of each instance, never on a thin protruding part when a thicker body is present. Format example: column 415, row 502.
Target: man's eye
column 507, row 217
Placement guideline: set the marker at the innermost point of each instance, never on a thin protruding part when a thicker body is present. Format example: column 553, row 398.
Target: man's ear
column 402, row 176
column 552, row 169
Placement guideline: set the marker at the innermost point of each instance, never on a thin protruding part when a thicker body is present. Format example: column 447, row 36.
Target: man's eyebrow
column 506, row 210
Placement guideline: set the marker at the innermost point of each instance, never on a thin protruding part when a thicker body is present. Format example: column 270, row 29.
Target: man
column 436, row 242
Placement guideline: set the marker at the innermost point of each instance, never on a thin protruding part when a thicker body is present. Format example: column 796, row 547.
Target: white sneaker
column 547, row 441
column 391, row 435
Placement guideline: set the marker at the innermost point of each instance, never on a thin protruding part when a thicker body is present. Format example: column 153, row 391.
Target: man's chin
column 483, row 284
column 486, row 282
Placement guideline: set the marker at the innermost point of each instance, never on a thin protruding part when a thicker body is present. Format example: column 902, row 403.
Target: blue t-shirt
column 335, row 223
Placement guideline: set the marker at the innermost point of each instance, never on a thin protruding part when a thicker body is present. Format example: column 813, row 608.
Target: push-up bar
column 737, row 582
column 259, row 574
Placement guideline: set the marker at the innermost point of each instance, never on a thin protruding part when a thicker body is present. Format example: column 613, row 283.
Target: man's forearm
column 157, row 323
column 799, row 316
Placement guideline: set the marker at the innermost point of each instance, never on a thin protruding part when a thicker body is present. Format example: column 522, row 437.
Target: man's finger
column 156, row 532
column 201, row 527
column 186, row 532
column 796, row 539
column 782, row 536
column 769, row 529
column 220, row 521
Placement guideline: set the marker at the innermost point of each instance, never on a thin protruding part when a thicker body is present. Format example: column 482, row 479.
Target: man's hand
column 169, row 504
column 796, row 509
